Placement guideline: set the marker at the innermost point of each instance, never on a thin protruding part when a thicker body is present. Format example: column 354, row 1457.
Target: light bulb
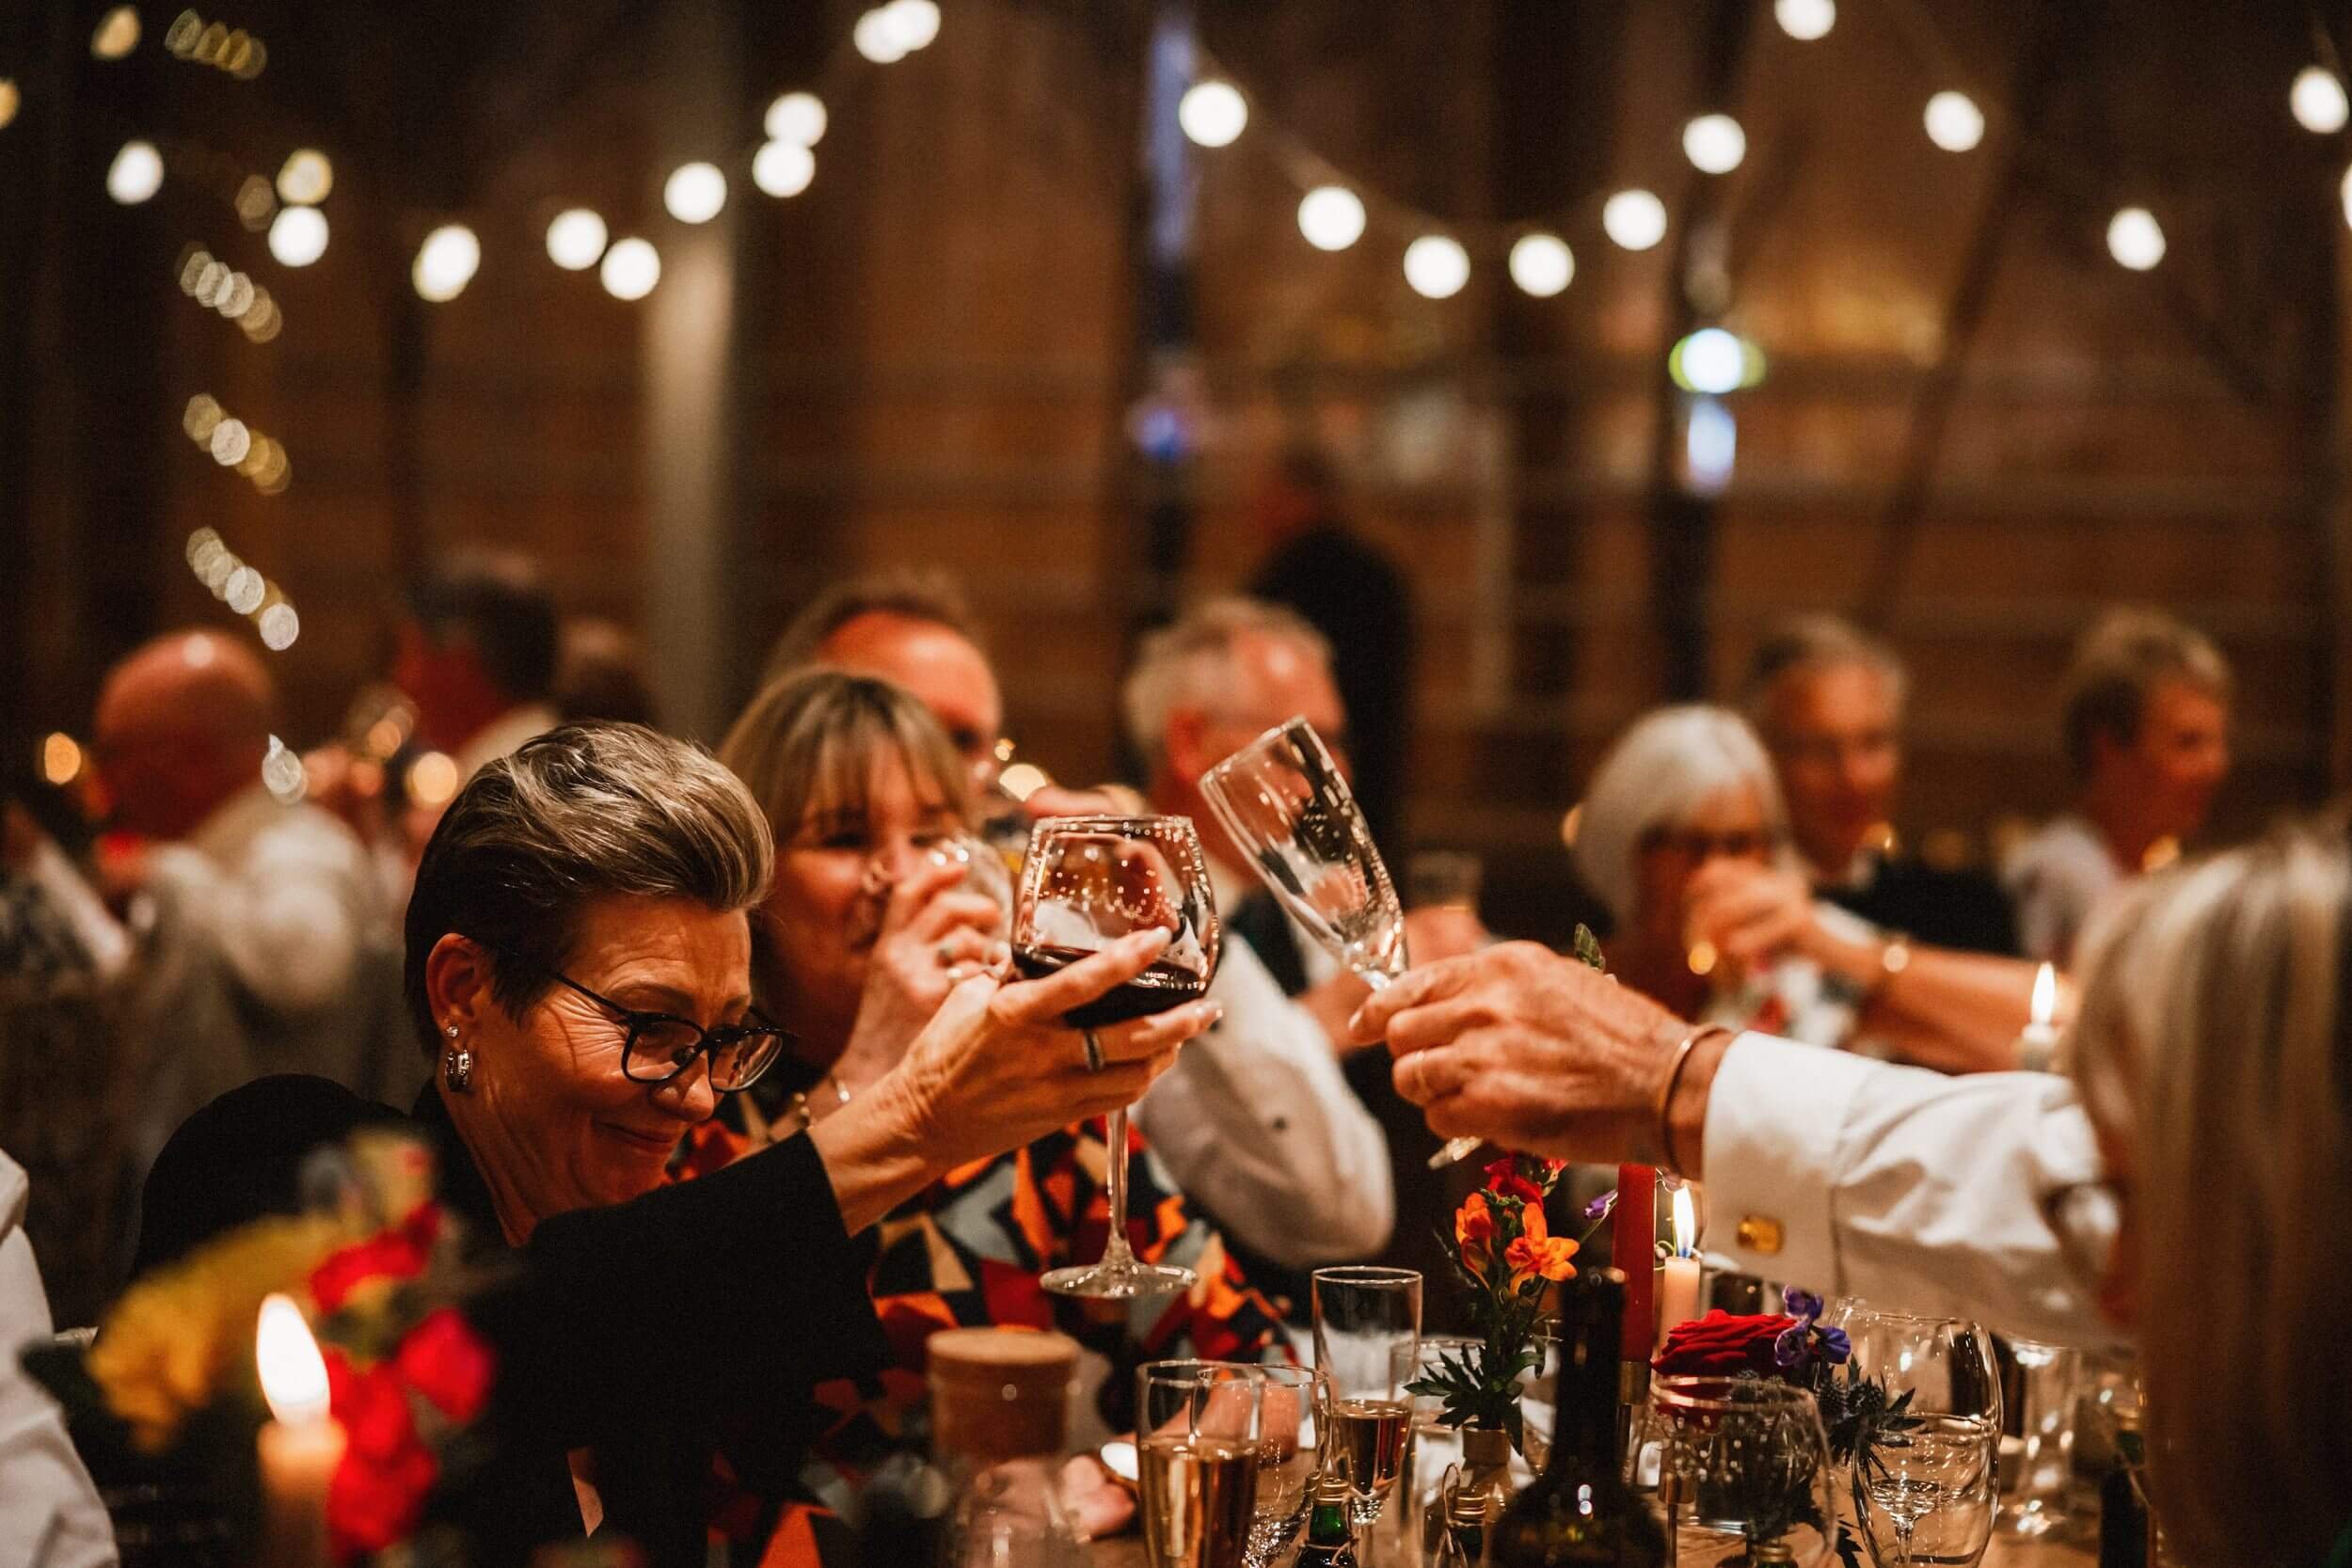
column 1634, row 219
column 694, row 192
column 1714, row 144
column 575, row 239
column 297, row 235
column 136, row 173
column 1213, row 113
column 797, row 117
column 1806, row 19
column 631, row 268
column 2318, row 101
column 446, row 262
column 1954, row 121
column 1331, row 217
column 1542, row 264
column 783, row 168
column 1436, row 266
column 2134, row 238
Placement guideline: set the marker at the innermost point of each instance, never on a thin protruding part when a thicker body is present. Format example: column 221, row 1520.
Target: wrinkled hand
column 1095, row 1499
column 932, row 935
column 1522, row 1047
column 1750, row 913
column 1443, row 931
column 995, row 1069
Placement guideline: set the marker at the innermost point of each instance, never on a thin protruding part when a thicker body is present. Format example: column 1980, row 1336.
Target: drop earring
column 456, row 1062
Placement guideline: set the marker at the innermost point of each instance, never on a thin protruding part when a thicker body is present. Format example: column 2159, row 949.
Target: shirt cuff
column 1775, row 1115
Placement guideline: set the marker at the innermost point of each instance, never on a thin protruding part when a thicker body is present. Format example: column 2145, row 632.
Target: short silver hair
column 1190, row 663
column 1658, row 774
column 1805, row 644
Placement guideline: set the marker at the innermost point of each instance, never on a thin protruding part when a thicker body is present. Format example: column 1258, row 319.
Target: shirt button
column 1759, row 1233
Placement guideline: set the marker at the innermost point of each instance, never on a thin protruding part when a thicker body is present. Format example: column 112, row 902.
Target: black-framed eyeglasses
column 660, row 1046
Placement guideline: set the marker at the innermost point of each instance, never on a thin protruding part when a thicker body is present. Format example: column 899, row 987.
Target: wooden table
column 1126, row 1551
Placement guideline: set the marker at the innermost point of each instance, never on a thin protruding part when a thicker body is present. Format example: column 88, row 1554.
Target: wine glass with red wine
column 1086, row 882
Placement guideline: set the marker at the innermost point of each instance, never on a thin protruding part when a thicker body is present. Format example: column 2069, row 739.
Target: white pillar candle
column 300, row 1450
column 1679, row 1282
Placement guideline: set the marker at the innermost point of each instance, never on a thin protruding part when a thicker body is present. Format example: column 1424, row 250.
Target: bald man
column 272, row 948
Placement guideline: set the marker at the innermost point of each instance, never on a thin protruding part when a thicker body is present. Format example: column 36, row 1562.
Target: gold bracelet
column 1666, row 1090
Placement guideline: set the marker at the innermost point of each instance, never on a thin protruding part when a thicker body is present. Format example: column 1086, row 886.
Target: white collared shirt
column 52, row 1513
column 1920, row 1191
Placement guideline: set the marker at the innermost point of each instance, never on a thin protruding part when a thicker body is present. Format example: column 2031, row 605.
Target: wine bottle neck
column 1585, row 1435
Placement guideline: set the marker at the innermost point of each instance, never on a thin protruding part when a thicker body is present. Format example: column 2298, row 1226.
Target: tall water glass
column 1285, row 1459
column 1924, row 1493
column 1367, row 1335
column 2040, row 1405
column 1198, row 1429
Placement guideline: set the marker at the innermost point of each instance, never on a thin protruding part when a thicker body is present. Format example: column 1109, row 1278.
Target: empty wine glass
column 1285, row 1459
column 1086, row 882
column 1367, row 1335
column 1923, row 1481
column 1283, row 801
column 1738, row 1467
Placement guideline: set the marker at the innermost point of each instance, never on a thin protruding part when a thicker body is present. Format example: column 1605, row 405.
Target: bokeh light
column 1436, row 266
column 279, row 626
column 783, row 168
column 1213, row 113
column 1634, row 219
column 433, row 779
column 877, row 39
column 2134, row 238
column 575, row 239
column 136, row 173
column 281, row 771
column 2318, row 101
column 1715, row 144
column 912, row 24
column 796, row 116
column 230, row 440
column 694, row 193
column 446, row 262
column 60, row 758
column 1331, row 217
column 631, row 268
column 305, row 177
column 246, row 591
column 117, row 34
column 297, row 235
column 1806, row 19
column 10, row 100
column 1954, row 121
column 1542, row 264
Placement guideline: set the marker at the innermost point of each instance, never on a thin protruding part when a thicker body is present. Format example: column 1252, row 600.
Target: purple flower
column 1601, row 1205
column 1835, row 1348
column 1801, row 1304
column 1790, row 1349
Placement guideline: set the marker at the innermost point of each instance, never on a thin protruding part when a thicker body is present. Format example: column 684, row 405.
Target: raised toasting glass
column 1285, row 804
column 1086, row 882
column 1367, row 1339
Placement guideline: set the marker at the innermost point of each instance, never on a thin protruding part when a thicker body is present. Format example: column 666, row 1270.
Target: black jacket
column 656, row 1333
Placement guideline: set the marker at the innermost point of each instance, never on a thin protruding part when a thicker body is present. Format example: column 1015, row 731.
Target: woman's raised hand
column 933, row 935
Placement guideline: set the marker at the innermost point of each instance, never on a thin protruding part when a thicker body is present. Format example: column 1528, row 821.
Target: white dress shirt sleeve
column 51, row 1513
column 1920, row 1192
column 290, row 916
column 1256, row 1120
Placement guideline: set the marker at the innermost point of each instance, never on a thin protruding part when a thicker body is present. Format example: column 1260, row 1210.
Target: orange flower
column 1475, row 1234
column 1535, row 1252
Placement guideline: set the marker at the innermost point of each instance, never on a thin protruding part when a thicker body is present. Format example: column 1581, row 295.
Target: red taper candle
column 1632, row 1237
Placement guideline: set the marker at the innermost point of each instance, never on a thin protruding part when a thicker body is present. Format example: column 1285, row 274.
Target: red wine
column 1156, row 989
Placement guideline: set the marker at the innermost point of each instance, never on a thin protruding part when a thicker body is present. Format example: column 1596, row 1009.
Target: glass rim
column 1366, row 1273
column 1679, row 1390
column 1860, row 1303
column 1105, row 820
column 1296, row 721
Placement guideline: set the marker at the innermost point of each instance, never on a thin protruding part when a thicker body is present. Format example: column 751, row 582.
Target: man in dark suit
column 1828, row 700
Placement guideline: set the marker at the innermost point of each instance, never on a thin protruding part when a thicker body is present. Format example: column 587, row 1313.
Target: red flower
column 372, row 1405
column 394, row 1254
column 1505, row 1181
column 1722, row 1344
column 1475, row 1234
column 1534, row 1252
column 447, row 1362
column 373, row 1503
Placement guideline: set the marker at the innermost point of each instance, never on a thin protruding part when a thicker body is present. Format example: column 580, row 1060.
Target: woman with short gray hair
column 579, row 967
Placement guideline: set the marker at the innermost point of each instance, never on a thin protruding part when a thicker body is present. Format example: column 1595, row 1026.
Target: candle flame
column 1686, row 1223
column 294, row 1374
column 2044, row 995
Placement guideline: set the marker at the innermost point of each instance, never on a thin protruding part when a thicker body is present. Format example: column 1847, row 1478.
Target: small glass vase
column 1485, row 1474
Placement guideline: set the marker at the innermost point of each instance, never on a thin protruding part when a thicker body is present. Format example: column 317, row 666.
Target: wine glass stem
column 1116, row 1253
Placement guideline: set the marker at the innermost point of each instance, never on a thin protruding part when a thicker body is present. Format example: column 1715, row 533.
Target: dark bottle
column 1331, row 1544
column 1580, row 1511
column 2123, row 1506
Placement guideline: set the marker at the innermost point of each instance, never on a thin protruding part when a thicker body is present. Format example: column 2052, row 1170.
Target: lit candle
column 2038, row 1041
column 1633, row 1239
column 1678, row 1294
column 300, row 1448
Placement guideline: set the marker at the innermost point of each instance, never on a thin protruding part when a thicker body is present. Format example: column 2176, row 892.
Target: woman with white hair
column 1684, row 838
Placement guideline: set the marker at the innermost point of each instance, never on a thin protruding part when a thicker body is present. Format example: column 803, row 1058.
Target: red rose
column 1721, row 1344
column 388, row 1254
column 372, row 1405
column 446, row 1361
column 374, row 1502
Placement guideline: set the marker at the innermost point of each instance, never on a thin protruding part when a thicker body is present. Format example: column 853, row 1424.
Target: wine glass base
column 1120, row 1281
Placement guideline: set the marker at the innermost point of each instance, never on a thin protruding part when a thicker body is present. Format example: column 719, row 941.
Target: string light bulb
column 1331, row 217
column 306, row 178
column 1542, row 264
column 913, row 23
column 297, row 235
column 575, row 239
column 1954, row 122
column 1634, row 219
column 1806, row 19
column 630, row 270
column 877, row 39
column 798, row 117
column 136, row 173
column 1436, row 266
column 1213, row 113
column 694, row 193
column 2318, row 101
column 446, row 262
column 1714, row 144
column 783, row 168
column 2134, row 238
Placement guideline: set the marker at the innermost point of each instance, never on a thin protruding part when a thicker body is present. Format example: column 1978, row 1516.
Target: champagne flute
column 1086, row 882
column 1198, row 1427
column 1367, row 1340
column 1284, row 803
